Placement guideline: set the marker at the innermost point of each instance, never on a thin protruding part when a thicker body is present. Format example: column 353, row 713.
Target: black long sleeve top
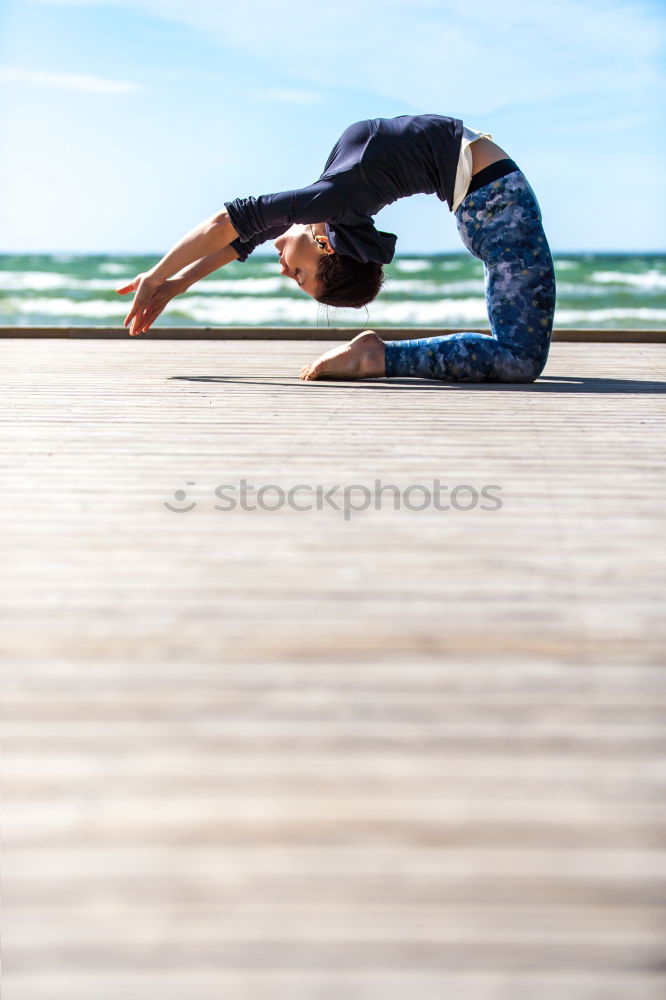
column 373, row 163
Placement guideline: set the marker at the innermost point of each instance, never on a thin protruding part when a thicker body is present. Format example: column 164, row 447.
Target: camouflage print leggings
column 500, row 223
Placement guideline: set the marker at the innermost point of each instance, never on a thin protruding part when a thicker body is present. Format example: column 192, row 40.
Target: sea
column 594, row 290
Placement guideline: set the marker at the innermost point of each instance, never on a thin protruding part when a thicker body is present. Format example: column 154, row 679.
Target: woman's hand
column 160, row 297
column 142, row 286
column 149, row 300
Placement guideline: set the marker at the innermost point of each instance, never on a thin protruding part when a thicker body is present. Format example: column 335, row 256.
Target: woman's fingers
column 138, row 305
column 153, row 308
column 134, row 322
column 147, row 321
column 123, row 290
column 148, row 303
column 129, row 287
column 146, row 318
column 131, row 315
column 138, row 322
column 143, row 322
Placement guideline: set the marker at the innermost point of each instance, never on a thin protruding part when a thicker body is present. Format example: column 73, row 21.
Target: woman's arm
column 162, row 293
column 200, row 268
column 209, row 238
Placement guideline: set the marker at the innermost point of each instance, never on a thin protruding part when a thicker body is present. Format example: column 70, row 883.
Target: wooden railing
column 309, row 333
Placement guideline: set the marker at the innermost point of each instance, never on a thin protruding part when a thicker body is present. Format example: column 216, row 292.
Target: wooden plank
column 287, row 753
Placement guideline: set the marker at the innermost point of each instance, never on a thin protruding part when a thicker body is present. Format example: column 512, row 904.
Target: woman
column 327, row 243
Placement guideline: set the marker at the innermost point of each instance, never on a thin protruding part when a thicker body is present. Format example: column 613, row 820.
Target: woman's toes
column 363, row 357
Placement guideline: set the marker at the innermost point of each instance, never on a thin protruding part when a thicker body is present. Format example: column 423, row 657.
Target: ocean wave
column 423, row 288
column 583, row 291
column 111, row 268
column 91, row 309
column 269, row 311
column 572, row 317
column 649, row 281
column 45, row 281
column 262, row 264
column 39, row 281
column 412, row 265
column 248, row 311
column 248, row 286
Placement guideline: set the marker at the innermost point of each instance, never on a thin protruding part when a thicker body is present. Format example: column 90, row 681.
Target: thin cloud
column 68, row 81
column 447, row 57
column 75, row 3
column 450, row 57
column 285, row 95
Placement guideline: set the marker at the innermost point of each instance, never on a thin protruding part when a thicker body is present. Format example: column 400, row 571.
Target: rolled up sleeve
column 245, row 247
column 329, row 201
column 316, row 203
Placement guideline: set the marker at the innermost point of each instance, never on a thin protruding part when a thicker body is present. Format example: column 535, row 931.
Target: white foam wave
column 95, row 309
column 45, row 281
column 247, row 311
column 571, row 317
column 421, row 288
column 649, row 281
column 565, row 265
column 412, row 265
column 446, row 312
column 592, row 291
column 110, row 268
column 266, row 311
column 39, row 281
column 249, row 286
column 269, row 266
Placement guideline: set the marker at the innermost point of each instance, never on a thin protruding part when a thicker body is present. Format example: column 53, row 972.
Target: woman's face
column 300, row 249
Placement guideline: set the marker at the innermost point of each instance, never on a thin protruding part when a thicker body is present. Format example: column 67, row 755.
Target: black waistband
column 492, row 173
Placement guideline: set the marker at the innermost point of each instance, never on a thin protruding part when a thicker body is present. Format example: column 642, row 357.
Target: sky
column 125, row 124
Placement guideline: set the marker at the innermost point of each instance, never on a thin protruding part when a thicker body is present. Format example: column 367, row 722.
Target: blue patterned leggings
column 500, row 223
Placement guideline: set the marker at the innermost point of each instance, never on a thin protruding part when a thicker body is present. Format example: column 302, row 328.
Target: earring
column 319, row 240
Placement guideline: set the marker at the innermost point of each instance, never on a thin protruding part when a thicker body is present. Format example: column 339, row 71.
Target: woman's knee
column 520, row 368
column 531, row 368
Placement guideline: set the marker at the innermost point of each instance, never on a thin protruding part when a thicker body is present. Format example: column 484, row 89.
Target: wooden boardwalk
column 288, row 754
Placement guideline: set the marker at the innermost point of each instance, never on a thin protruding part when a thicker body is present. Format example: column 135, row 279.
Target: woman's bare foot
column 362, row 357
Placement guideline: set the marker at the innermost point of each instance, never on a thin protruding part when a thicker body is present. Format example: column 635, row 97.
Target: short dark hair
column 345, row 281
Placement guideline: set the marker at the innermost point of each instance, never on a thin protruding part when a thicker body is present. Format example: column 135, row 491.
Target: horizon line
column 265, row 256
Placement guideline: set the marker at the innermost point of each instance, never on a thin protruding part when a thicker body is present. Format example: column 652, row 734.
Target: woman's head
column 306, row 255
column 345, row 281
